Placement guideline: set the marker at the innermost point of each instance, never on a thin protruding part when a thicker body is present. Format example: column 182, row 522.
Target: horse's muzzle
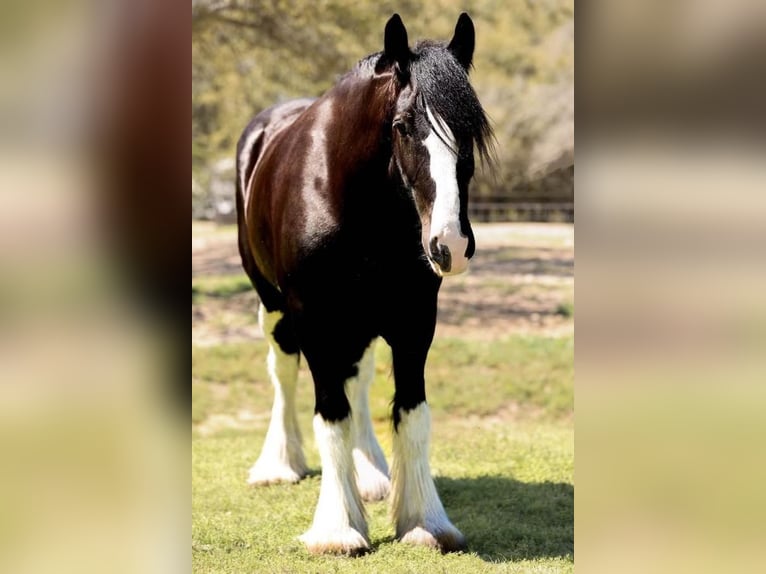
column 450, row 258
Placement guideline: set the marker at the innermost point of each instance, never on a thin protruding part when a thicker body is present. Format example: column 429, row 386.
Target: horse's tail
column 249, row 148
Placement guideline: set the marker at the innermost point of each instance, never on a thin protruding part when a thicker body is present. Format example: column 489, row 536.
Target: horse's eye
column 400, row 126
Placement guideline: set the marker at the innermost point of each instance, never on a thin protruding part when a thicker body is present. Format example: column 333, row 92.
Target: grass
column 502, row 455
column 522, row 369
column 518, row 519
column 220, row 286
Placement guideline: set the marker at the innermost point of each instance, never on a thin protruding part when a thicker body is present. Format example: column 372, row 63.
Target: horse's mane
column 442, row 84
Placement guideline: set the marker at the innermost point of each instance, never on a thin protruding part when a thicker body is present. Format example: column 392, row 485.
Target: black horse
column 351, row 208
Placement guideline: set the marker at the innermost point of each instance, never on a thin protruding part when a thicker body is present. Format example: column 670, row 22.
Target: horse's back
column 255, row 138
column 257, row 135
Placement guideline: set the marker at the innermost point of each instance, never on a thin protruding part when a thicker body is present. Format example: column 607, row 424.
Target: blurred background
column 249, row 54
column 671, row 276
column 93, row 229
column 670, row 259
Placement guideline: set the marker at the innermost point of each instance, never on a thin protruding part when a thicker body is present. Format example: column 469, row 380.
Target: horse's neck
column 364, row 118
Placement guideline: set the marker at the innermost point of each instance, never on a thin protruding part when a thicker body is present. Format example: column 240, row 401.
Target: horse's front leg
column 339, row 524
column 416, row 508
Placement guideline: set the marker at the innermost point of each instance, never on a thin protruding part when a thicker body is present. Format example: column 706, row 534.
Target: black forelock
column 443, row 84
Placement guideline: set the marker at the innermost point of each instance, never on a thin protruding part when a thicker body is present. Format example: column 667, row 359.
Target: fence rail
column 498, row 210
column 479, row 210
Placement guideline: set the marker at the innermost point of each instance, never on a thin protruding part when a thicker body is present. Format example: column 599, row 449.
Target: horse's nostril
column 434, row 248
column 440, row 254
column 446, row 263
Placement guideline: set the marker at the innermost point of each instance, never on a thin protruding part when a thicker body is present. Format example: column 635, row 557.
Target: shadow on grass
column 507, row 520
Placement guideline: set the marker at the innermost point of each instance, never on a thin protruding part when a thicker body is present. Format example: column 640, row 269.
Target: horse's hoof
column 262, row 474
column 446, row 539
column 372, row 482
column 346, row 541
column 375, row 492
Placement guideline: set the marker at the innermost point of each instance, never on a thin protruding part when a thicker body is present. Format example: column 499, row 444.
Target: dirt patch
column 510, row 288
column 243, row 420
column 520, row 281
column 215, row 254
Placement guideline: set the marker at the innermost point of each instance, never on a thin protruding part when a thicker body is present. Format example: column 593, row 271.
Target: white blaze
column 445, row 217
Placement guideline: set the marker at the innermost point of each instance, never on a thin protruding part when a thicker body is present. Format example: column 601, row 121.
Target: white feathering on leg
column 416, row 508
column 281, row 458
column 339, row 523
column 372, row 476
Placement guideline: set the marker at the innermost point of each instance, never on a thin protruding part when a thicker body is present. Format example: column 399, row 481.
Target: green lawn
column 221, row 286
column 502, row 454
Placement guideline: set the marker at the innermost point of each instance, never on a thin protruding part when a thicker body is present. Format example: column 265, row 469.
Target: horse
column 351, row 208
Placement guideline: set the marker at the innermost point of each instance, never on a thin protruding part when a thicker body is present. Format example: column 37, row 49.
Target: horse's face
column 436, row 162
column 437, row 168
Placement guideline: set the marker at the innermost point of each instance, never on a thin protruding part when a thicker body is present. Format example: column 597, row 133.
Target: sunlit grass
column 502, row 456
column 508, row 488
column 463, row 377
column 220, row 286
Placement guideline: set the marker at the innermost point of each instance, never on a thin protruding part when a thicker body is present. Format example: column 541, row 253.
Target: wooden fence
column 500, row 209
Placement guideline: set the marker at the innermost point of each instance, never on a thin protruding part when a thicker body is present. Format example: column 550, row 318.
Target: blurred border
column 670, row 311
column 94, row 135
column 670, row 277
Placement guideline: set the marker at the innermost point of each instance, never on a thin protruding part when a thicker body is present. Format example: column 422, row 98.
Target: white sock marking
column 372, row 477
column 281, row 458
column 339, row 522
column 416, row 508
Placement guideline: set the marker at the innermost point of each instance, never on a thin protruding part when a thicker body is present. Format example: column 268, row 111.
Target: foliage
column 250, row 54
column 565, row 309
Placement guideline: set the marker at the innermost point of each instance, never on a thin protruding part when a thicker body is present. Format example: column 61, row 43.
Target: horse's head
column 436, row 123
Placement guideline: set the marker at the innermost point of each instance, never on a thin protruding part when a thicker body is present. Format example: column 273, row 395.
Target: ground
column 520, row 281
column 499, row 383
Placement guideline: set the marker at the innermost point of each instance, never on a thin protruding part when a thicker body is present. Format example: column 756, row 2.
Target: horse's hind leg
column 372, row 476
column 281, row 458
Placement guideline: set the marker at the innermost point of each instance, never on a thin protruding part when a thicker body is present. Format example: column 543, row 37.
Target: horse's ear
column 464, row 41
column 395, row 43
